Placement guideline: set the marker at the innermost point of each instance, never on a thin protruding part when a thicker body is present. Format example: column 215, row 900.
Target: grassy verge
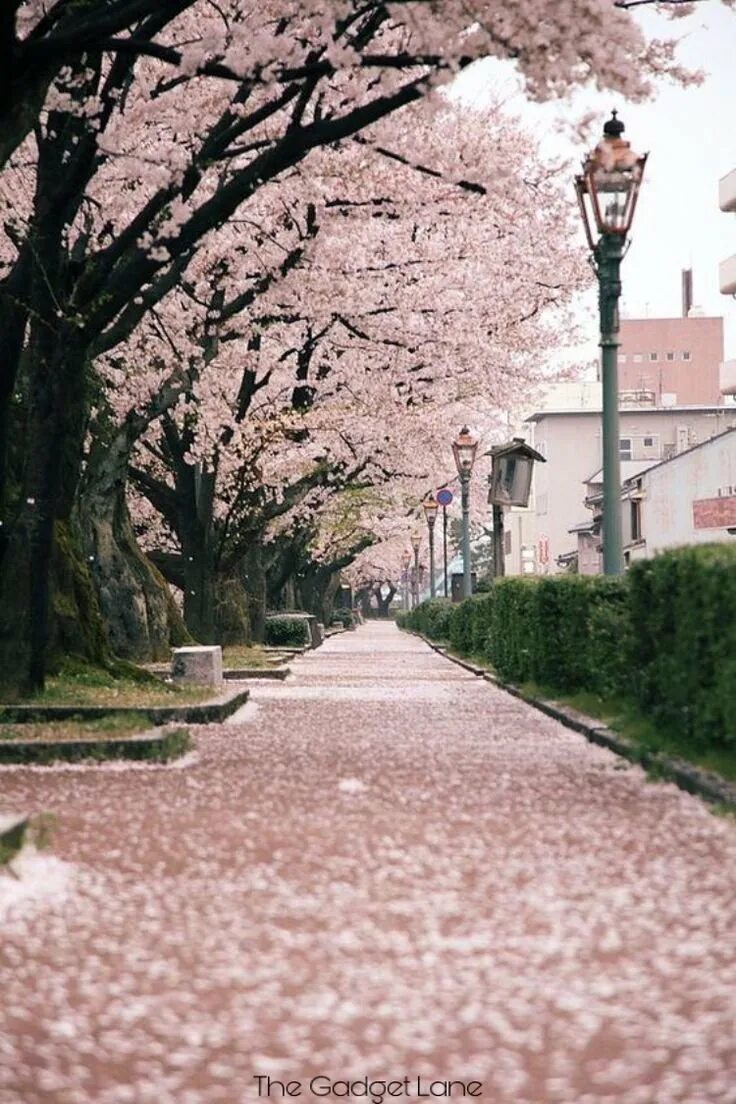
column 159, row 747
column 122, row 685
column 237, row 655
column 621, row 715
column 113, row 727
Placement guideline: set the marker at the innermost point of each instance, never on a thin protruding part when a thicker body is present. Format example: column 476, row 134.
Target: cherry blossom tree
column 381, row 319
column 155, row 130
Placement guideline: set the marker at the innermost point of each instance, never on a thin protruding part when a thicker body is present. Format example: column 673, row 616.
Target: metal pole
column 608, row 256
column 416, row 577
column 432, row 587
column 444, row 544
column 499, row 564
column 405, row 589
column 467, row 582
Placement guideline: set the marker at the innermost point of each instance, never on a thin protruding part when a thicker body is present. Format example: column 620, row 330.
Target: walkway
column 385, row 868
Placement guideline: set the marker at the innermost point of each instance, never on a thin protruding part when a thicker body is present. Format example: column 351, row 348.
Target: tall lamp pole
column 431, row 506
column 464, row 448
column 405, row 561
column 607, row 191
column 415, row 542
column 444, row 548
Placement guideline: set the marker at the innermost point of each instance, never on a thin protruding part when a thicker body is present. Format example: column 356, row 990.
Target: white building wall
column 670, row 490
column 571, row 443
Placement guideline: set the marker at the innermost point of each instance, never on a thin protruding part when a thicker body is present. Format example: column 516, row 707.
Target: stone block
column 201, row 665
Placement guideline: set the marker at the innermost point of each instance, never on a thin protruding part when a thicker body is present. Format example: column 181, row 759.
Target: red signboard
column 715, row 513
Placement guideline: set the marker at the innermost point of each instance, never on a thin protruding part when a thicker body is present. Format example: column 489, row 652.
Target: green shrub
column 288, row 632
column 664, row 634
column 432, row 618
column 566, row 631
column 512, row 633
column 683, row 608
column 610, row 637
column 344, row 617
column 481, row 622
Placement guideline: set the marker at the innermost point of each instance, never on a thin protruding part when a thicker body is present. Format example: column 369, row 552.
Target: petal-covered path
column 383, row 868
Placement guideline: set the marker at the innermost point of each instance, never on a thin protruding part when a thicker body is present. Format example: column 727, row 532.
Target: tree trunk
column 363, row 598
column 139, row 610
column 328, row 598
column 195, row 491
column 232, row 620
column 53, row 447
column 256, row 589
column 384, row 603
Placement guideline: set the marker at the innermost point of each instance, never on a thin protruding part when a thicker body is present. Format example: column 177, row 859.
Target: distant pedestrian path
column 385, row 868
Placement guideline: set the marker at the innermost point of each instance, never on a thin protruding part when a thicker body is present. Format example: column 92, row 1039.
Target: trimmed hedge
column 663, row 634
column 345, row 617
column 287, row 632
column 683, row 606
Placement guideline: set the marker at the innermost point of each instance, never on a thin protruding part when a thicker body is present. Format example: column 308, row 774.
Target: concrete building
column 672, row 380
column 727, row 202
column 688, row 499
column 671, row 361
column 571, row 442
column 727, row 274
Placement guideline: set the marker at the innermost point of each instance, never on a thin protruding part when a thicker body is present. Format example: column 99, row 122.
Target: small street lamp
column 444, row 497
column 405, row 561
column 607, row 190
column 415, row 542
column 431, row 506
column 464, row 448
column 510, row 483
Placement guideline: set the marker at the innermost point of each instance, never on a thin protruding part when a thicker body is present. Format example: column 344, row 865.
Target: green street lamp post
column 415, row 542
column 405, row 561
column 431, row 506
column 607, row 190
column 464, row 448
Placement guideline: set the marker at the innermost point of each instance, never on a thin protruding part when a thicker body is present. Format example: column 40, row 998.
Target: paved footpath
column 384, row 868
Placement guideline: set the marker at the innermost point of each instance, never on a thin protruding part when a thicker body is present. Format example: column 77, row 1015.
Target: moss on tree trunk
column 142, row 619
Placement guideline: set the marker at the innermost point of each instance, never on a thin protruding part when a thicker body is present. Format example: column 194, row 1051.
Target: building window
column 622, row 358
column 648, row 442
column 686, row 356
column 637, row 358
column 670, row 356
column 635, row 520
column 624, row 448
column 654, row 356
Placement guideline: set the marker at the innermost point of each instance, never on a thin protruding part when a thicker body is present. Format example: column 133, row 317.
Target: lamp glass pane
column 512, row 479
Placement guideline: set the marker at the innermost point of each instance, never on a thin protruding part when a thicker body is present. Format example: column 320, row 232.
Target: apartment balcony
column 727, row 192
column 727, row 276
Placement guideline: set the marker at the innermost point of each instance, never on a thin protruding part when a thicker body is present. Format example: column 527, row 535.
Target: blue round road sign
column 444, row 497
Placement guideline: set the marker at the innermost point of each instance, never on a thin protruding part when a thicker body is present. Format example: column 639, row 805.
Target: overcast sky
column 690, row 135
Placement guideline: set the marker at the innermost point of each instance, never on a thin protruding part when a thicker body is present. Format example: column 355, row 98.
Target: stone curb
column 687, row 776
column 242, row 673
column 211, row 712
column 137, row 747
